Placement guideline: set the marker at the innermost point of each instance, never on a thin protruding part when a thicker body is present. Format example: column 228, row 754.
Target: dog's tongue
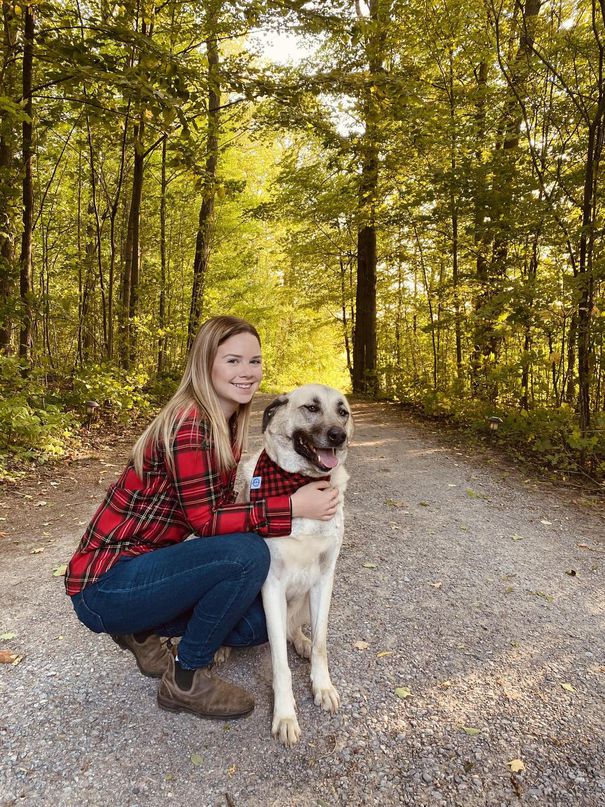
column 328, row 458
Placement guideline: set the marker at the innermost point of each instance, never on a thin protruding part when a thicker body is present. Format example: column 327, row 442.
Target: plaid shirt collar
column 271, row 480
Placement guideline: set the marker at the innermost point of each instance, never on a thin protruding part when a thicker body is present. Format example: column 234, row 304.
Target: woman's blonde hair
column 196, row 391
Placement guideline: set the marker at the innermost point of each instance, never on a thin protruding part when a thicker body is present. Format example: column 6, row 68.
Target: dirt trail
column 476, row 590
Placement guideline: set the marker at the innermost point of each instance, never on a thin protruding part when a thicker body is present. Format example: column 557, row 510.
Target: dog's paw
column 221, row 655
column 303, row 645
column 327, row 697
column 286, row 730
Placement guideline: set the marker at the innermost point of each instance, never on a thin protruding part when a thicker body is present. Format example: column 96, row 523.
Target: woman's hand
column 317, row 500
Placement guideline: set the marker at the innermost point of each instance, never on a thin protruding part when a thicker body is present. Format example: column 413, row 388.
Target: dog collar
column 269, row 479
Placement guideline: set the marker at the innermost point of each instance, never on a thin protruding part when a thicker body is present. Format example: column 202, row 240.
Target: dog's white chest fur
column 299, row 560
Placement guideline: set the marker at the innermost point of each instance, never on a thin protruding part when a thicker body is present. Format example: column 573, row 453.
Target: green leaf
column 470, row 731
column 59, row 571
column 403, row 692
column 9, row 635
column 196, row 759
column 369, row 565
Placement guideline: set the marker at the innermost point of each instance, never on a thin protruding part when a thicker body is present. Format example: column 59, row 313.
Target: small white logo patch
column 256, row 482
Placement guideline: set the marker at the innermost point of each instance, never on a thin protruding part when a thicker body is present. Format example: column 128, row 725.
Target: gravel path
column 461, row 582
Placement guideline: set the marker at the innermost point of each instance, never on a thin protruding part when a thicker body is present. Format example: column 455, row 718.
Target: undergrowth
column 550, row 437
column 44, row 415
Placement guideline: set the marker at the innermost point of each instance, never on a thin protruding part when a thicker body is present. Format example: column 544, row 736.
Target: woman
column 135, row 577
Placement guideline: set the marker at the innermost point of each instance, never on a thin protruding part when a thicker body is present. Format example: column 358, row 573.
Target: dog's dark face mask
column 315, row 425
column 272, row 409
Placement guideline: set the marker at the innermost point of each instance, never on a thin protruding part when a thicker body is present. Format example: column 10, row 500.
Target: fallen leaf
column 547, row 597
column 424, row 504
column 395, row 503
column 571, row 572
column 196, row 759
column 369, row 565
column 9, row 635
column 384, row 653
column 59, row 571
column 548, row 523
column 403, row 692
column 169, row 777
column 516, row 765
column 8, row 657
column 436, row 584
column 516, row 537
column 445, row 684
column 231, row 770
column 37, row 550
column 568, row 687
column 40, row 504
column 470, row 731
column 358, row 645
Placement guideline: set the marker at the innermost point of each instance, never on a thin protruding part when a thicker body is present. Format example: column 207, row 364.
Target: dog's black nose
column 336, row 436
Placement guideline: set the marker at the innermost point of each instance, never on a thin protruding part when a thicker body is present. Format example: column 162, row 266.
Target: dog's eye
column 343, row 413
column 311, row 408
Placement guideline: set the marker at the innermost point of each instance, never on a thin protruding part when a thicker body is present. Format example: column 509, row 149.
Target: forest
column 408, row 203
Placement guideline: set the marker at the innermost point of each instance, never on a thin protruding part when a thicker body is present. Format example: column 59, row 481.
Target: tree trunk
column 492, row 274
column 478, row 358
column 454, row 216
column 115, row 206
column 206, row 217
column 162, row 307
column 25, row 261
column 8, row 202
column 130, row 274
column 584, row 278
column 365, row 379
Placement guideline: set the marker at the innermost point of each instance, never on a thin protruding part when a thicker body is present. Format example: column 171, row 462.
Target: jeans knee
column 258, row 557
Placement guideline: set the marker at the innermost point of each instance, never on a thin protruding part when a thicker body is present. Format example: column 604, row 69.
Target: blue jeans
column 206, row 590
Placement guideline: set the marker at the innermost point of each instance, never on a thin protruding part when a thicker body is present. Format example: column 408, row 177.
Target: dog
column 306, row 436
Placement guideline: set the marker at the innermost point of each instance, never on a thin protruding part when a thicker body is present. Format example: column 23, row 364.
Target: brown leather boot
column 151, row 655
column 209, row 695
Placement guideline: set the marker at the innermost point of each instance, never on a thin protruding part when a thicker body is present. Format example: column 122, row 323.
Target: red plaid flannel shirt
column 163, row 508
column 271, row 480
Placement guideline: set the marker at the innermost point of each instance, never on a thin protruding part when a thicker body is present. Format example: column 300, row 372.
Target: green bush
column 552, row 436
column 120, row 393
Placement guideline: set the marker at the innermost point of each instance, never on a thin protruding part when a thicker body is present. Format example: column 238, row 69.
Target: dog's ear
column 272, row 408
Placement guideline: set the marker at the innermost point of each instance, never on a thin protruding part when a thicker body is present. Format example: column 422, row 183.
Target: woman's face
column 237, row 371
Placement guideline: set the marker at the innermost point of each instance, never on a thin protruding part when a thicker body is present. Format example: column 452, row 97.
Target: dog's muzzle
column 322, row 457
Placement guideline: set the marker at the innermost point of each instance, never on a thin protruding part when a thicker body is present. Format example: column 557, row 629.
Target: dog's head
column 308, row 430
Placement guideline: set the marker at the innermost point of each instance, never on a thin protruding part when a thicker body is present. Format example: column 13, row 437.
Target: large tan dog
column 306, row 432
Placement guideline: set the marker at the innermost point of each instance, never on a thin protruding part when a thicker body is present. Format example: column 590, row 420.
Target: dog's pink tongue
column 327, row 458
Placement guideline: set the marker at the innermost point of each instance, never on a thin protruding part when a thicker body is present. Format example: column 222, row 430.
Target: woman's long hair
column 196, row 392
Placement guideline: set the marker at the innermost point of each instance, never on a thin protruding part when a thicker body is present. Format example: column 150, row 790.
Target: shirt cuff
column 278, row 514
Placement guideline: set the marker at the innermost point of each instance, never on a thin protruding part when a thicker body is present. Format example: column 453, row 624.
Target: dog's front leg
column 325, row 694
column 285, row 723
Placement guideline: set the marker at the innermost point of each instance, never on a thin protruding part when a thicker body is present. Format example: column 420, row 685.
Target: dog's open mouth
column 323, row 458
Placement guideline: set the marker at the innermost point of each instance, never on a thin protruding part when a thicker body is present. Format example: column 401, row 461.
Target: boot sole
column 170, row 706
